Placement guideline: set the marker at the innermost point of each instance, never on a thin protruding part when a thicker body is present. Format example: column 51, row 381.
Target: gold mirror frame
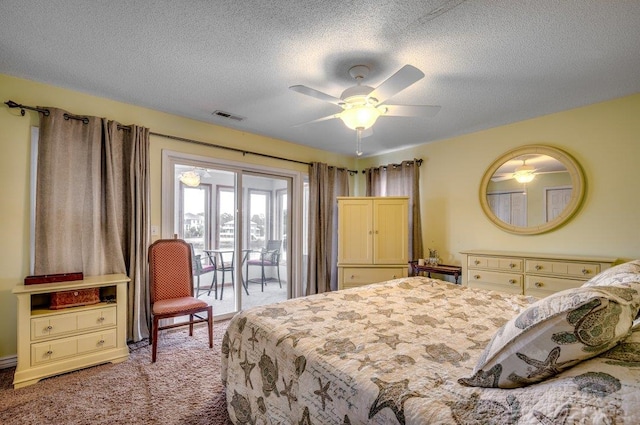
column 577, row 194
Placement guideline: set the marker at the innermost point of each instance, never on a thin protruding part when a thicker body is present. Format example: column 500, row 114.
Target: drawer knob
column 352, row 277
column 48, row 353
column 48, row 328
column 513, row 281
column 539, row 284
column 100, row 319
column 538, row 267
column 394, row 276
column 101, row 342
column 585, row 271
column 476, row 276
column 476, row 262
column 511, row 265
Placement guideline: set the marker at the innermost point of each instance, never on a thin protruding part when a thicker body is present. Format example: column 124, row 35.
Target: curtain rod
column 418, row 161
column 12, row 104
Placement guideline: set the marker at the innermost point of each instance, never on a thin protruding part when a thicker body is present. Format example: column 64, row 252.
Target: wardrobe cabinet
column 373, row 240
column 534, row 274
column 55, row 341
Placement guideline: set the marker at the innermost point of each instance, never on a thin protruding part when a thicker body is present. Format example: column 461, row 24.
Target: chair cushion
column 176, row 305
column 207, row 269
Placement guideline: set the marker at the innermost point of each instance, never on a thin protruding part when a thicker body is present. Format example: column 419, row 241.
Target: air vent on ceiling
column 227, row 115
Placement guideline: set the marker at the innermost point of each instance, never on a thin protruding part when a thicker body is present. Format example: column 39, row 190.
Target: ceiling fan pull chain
column 359, row 141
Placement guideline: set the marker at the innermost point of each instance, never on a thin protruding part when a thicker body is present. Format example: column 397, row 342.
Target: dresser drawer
column 541, row 286
column 358, row 276
column 495, row 263
column 68, row 323
column 45, row 352
column 97, row 318
column 563, row 268
column 53, row 326
column 505, row 282
column 97, row 341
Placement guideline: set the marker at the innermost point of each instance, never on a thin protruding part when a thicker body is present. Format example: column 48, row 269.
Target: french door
column 239, row 220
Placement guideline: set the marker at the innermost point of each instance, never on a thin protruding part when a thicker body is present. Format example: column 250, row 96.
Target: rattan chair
column 171, row 289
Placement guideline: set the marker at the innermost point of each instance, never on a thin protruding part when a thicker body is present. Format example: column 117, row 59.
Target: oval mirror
column 532, row 189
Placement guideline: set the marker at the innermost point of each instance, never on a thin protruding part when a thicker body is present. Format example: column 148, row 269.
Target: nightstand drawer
column 495, row 263
column 581, row 270
column 505, row 282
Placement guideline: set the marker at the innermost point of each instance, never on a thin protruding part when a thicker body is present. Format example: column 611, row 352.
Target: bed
column 394, row 352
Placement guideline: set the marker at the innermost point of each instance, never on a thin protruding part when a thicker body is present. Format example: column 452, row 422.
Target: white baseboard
column 9, row 361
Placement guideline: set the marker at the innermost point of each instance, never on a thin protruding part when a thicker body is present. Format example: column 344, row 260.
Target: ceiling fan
column 362, row 105
column 522, row 173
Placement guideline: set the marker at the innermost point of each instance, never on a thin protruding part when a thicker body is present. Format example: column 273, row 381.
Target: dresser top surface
column 87, row 282
column 515, row 254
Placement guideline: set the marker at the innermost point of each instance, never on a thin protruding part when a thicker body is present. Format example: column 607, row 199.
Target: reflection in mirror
column 532, row 189
column 529, row 190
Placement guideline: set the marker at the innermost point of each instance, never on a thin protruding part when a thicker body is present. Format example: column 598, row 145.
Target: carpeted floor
column 182, row 387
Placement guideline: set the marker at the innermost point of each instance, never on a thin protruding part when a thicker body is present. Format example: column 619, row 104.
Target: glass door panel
column 264, row 263
column 239, row 233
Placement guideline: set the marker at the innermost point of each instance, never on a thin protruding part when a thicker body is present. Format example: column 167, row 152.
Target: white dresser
column 373, row 240
column 51, row 342
column 532, row 274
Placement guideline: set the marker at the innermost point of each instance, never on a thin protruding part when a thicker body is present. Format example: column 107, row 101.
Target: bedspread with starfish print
column 392, row 353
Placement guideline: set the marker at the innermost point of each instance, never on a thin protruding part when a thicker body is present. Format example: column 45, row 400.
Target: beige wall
column 604, row 138
column 14, row 167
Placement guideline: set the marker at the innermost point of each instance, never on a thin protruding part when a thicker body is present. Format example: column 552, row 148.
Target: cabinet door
column 355, row 231
column 390, row 231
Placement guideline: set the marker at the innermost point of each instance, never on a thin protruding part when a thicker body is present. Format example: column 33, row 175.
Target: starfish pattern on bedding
column 247, row 367
column 559, row 419
column 386, row 312
column 253, row 338
column 391, row 340
column 315, row 308
column 287, row 392
column 322, row 392
column 392, row 395
column 541, row 369
column 367, row 362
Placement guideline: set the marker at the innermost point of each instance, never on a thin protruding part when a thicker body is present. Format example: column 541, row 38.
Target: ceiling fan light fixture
column 190, row 178
column 361, row 116
column 524, row 174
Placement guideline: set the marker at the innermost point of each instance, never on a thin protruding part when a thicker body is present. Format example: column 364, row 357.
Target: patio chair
column 269, row 257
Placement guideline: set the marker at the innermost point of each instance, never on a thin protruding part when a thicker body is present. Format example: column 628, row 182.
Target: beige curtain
column 92, row 204
column 325, row 185
column 400, row 180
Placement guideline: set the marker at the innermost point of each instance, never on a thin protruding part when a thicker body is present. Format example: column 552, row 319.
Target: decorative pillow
column 554, row 334
column 622, row 274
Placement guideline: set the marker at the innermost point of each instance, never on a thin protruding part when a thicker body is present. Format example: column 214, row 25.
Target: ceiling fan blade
column 498, row 178
column 399, row 81
column 317, row 94
column 328, row 117
column 412, row 110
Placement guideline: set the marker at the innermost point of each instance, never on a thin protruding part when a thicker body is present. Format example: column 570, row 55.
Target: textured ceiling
column 487, row 63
